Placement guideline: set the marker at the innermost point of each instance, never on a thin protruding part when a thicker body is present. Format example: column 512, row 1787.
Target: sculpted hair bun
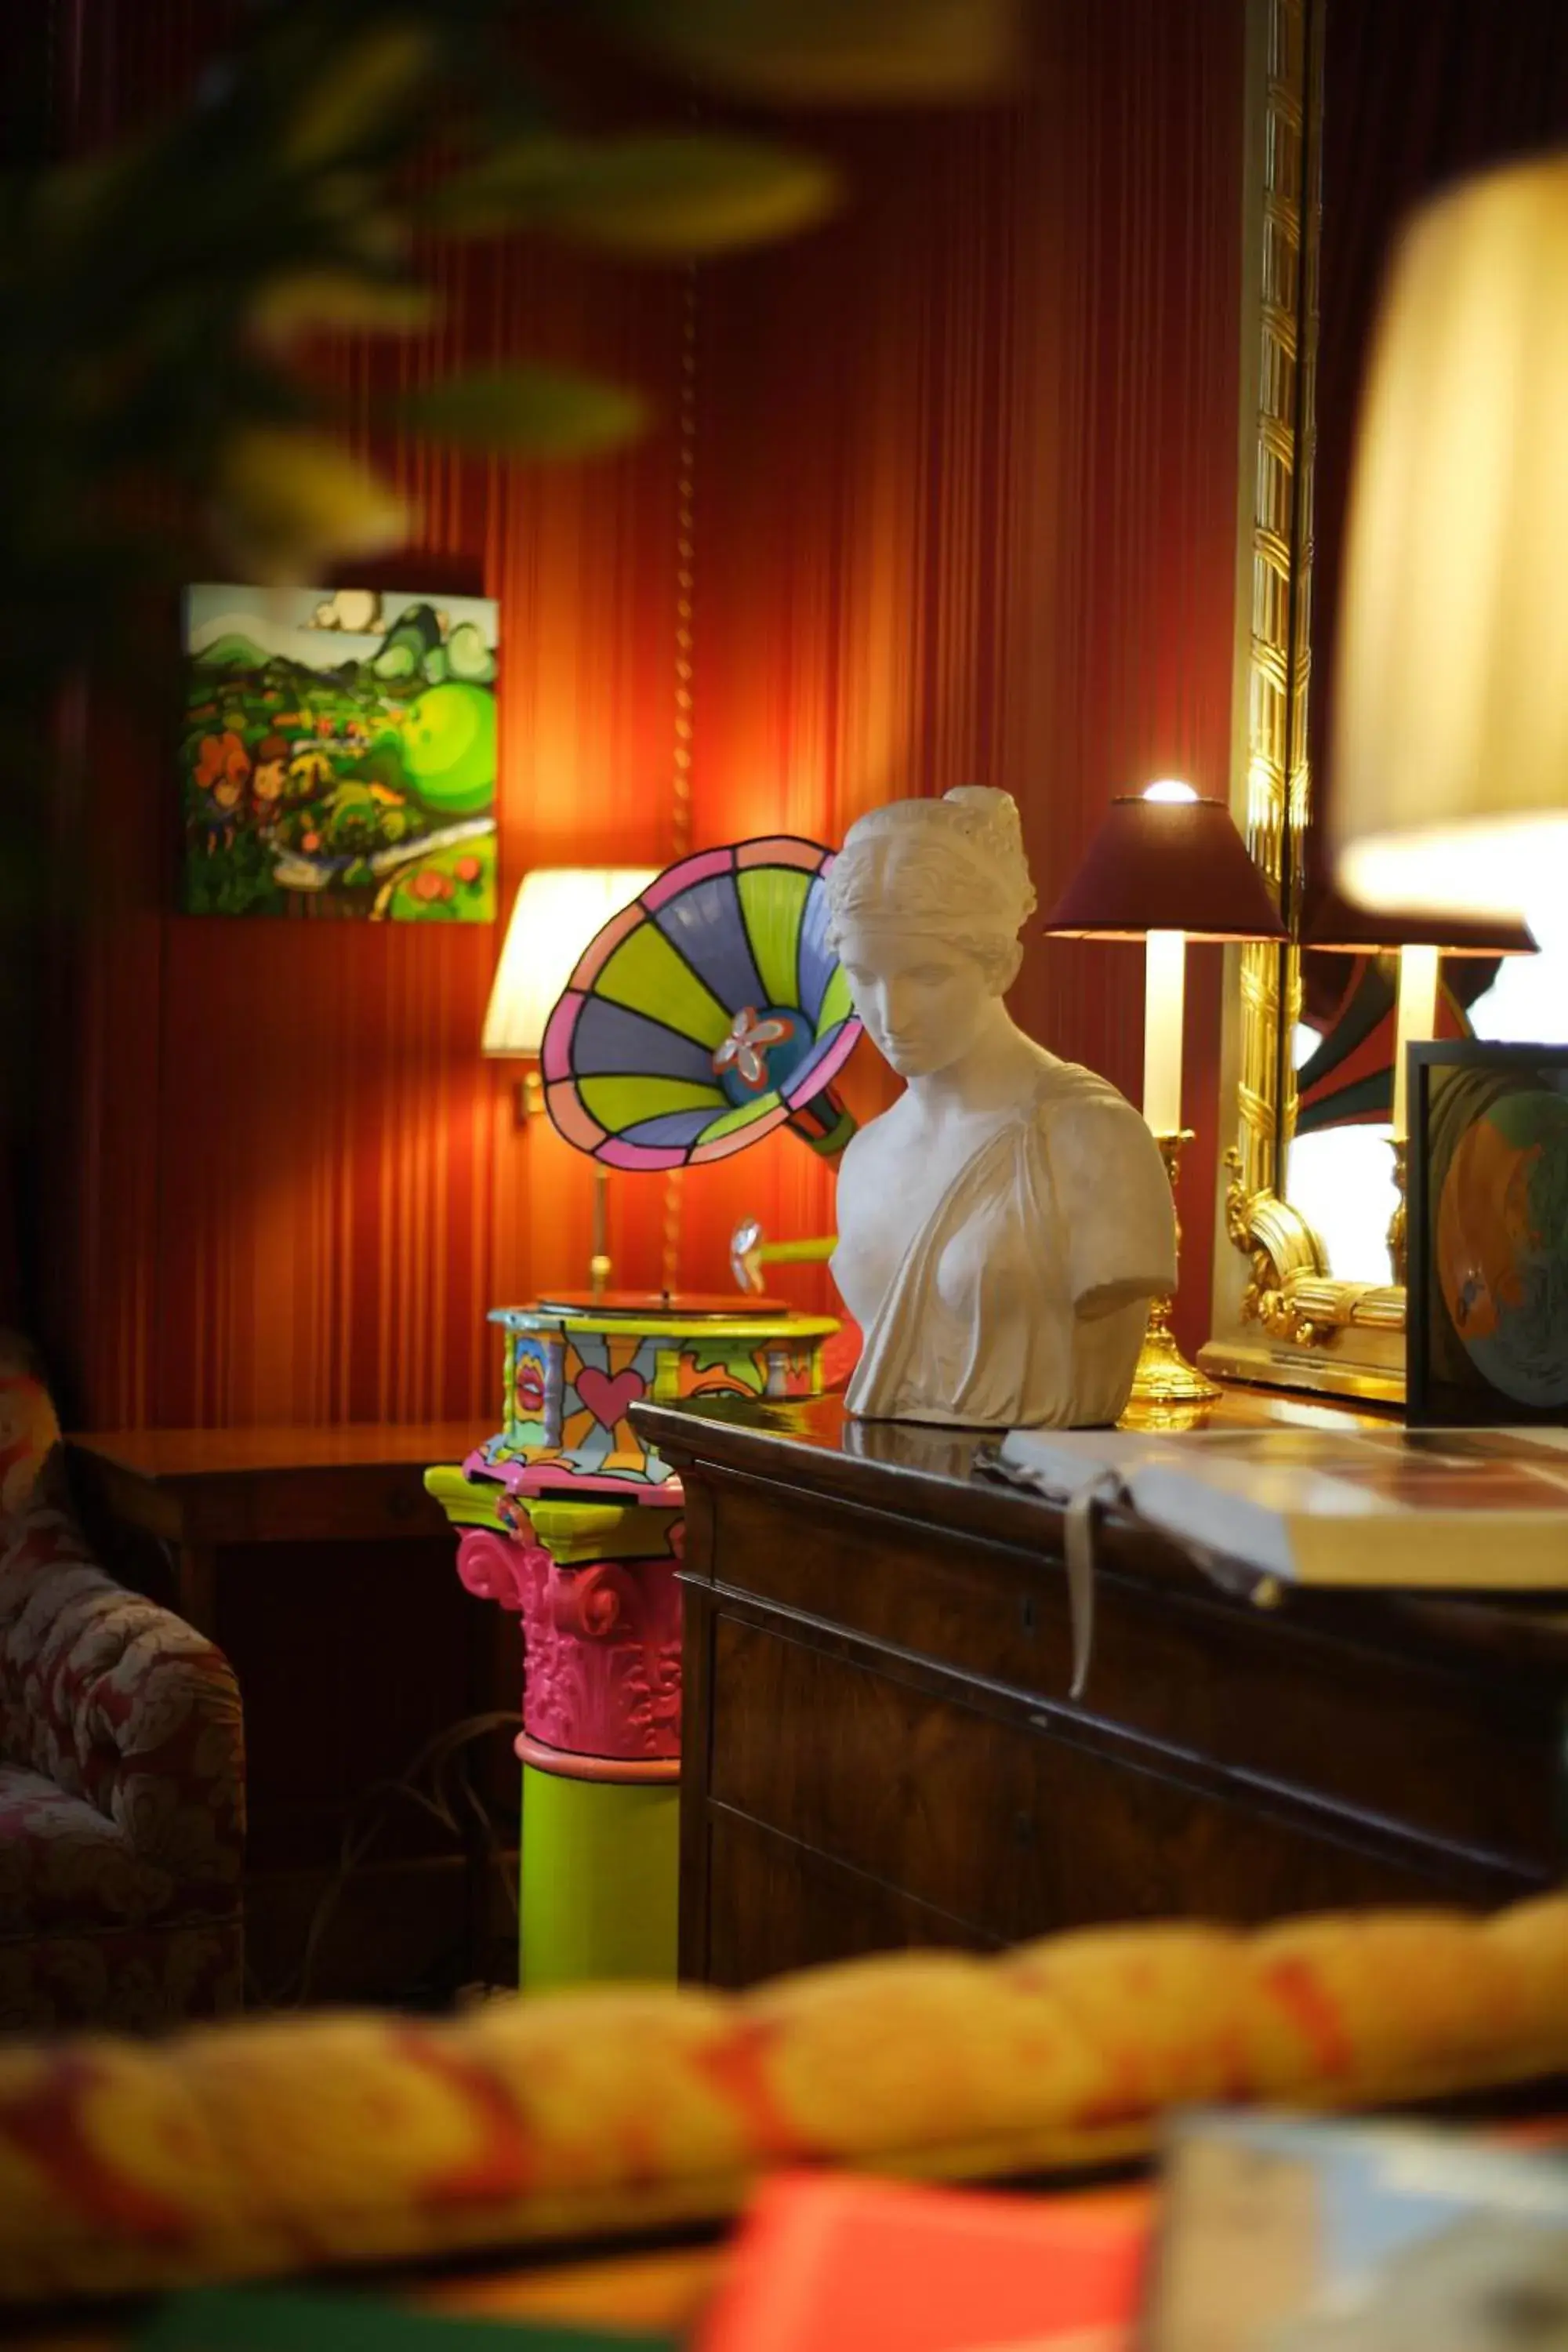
column 990, row 819
column 954, row 867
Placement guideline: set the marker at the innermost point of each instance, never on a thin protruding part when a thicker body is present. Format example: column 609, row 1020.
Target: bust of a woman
column 1004, row 1226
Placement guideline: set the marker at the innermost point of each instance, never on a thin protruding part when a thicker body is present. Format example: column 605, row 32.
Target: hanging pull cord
column 1078, row 1521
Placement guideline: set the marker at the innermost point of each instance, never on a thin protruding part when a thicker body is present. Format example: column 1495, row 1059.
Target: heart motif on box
column 608, row 1399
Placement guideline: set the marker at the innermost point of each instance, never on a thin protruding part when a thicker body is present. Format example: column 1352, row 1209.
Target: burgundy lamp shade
column 1333, row 924
column 1166, row 865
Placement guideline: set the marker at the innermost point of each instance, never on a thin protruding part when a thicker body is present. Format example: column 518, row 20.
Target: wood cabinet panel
column 1256, row 1691
column 1008, row 1834
column 779, row 1905
column 890, row 1779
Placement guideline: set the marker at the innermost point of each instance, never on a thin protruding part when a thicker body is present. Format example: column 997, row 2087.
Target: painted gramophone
column 703, row 1015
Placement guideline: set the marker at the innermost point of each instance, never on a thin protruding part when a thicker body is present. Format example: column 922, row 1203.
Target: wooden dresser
column 878, row 1748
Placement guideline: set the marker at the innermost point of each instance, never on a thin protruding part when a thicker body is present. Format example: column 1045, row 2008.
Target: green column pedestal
column 600, row 1871
column 592, row 1581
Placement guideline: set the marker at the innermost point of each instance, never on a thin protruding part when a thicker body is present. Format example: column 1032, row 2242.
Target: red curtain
column 965, row 505
column 967, row 510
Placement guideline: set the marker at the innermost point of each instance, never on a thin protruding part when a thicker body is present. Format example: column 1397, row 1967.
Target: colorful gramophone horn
column 706, row 1013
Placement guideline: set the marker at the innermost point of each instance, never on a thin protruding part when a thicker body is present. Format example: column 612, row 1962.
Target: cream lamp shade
column 1449, row 771
column 557, row 910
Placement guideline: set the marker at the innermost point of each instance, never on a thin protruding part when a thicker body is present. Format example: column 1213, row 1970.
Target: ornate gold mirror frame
column 1279, row 1315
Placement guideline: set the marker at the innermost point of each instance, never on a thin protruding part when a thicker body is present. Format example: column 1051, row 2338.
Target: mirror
column 1355, row 115
column 1339, row 1163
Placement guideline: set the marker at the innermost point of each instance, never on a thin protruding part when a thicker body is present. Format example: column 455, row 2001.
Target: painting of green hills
column 339, row 754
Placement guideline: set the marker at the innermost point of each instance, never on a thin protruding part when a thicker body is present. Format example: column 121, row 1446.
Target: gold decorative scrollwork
column 1290, row 1292
column 1283, row 1253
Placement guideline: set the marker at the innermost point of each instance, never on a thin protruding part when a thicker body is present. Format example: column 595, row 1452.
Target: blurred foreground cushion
column 288, row 2143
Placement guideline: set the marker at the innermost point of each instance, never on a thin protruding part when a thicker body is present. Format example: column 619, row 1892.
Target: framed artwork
column 339, row 754
column 1488, row 1212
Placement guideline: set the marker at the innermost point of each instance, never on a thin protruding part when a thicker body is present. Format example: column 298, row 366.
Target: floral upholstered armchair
column 121, row 1770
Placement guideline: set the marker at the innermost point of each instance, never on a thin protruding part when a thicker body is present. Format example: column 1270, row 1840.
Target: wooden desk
column 200, row 1490
column 319, row 1563
column 878, row 1748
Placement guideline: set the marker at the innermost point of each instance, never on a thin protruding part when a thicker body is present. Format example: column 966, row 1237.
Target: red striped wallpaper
column 964, row 510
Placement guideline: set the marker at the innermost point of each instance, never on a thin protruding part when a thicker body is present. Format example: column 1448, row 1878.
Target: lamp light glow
column 1414, row 1023
column 1165, row 1010
column 557, row 910
column 1164, row 997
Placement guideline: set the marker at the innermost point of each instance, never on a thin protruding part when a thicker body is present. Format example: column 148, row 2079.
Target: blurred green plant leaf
column 659, row 197
column 834, row 52
column 344, row 300
column 286, row 501
column 525, row 412
column 364, row 90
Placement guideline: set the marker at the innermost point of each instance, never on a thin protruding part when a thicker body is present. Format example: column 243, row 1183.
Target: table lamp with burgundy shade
column 1332, row 925
column 1166, row 866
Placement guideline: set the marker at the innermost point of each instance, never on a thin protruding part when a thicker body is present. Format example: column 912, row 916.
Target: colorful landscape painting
column 339, row 754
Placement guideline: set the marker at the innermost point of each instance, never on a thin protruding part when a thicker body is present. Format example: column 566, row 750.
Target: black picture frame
column 1453, row 1088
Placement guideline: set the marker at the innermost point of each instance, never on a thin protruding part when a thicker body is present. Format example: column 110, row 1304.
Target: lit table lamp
column 1420, row 940
column 1166, row 868
column 557, row 910
column 1450, row 730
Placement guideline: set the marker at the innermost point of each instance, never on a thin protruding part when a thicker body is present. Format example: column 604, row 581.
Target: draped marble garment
column 980, row 1325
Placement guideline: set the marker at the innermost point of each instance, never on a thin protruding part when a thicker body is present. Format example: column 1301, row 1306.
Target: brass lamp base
column 1163, row 1376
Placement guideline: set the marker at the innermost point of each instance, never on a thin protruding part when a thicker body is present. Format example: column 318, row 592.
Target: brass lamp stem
column 1163, row 1376
column 599, row 1264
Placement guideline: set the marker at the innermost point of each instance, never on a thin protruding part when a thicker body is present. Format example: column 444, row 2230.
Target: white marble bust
column 1004, row 1226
